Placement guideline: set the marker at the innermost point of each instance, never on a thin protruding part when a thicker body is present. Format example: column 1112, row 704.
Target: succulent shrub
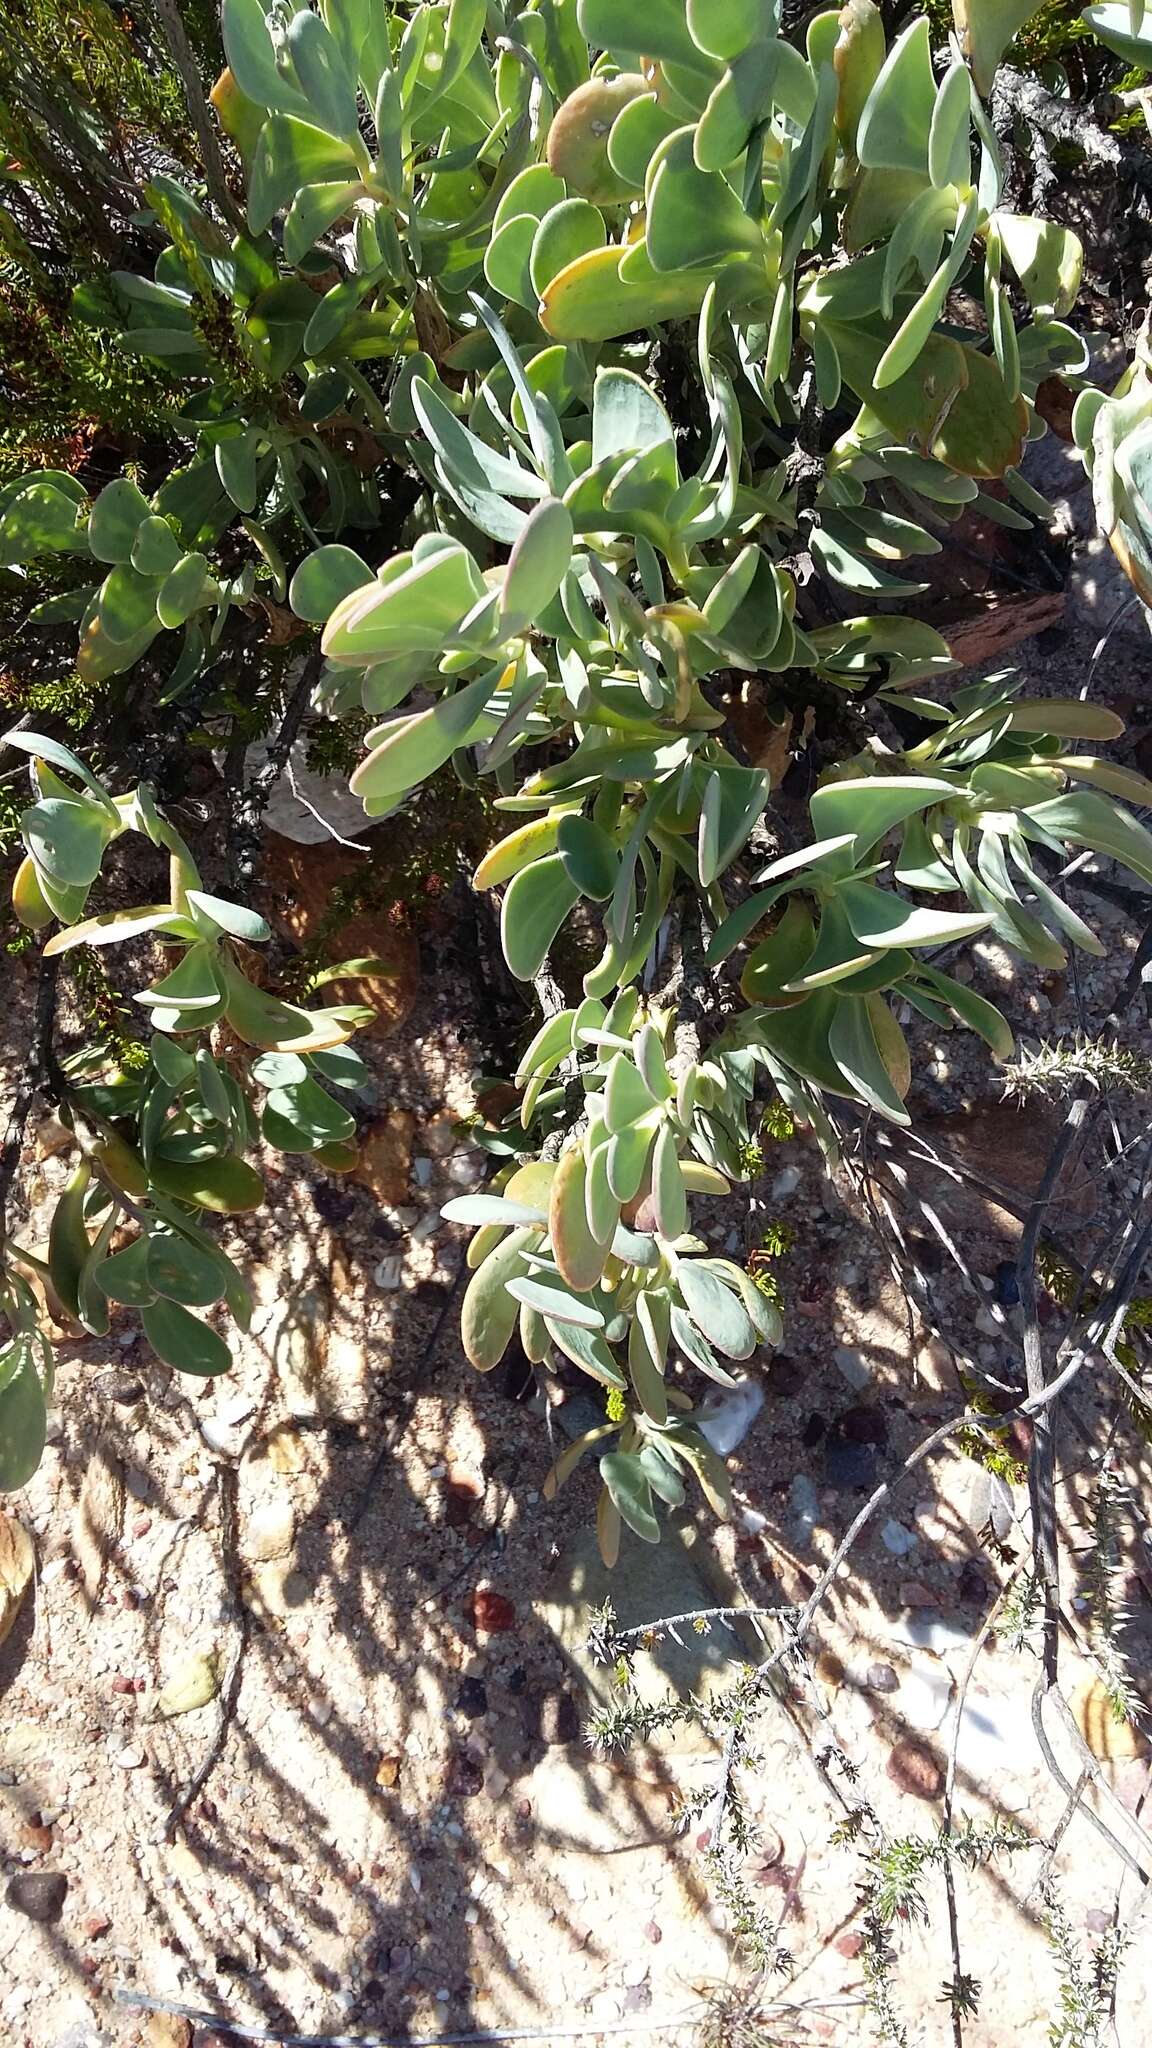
column 556, row 347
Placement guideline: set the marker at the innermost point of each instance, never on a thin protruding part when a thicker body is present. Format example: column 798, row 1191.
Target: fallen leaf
column 193, row 1685
column 168, row 2030
column 1111, row 1740
column 17, row 1563
column 285, row 1448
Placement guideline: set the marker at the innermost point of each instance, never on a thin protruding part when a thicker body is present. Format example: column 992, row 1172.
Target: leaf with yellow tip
column 578, row 1254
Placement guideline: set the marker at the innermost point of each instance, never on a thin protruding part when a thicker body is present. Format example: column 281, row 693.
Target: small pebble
column 882, row 1678
column 852, row 1366
column 896, row 1538
column 472, row 1699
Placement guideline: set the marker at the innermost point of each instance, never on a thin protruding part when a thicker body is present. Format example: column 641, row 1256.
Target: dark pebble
column 866, row 1423
column 849, row 1467
column 971, row 1586
column 928, row 1254
column 126, row 1391
column 335, row 1205
column 785, row 1376
column 465, row 1776
column 517, row 1679
column 472, row 1698
column 1005, row 1285
column 38, row 1894
column 813, row 1430
column 882, row 1678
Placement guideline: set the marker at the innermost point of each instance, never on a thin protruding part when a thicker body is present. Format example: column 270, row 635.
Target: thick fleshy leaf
column 557, row 1303
column 32, row 907
column 324, row 578
column 413, row 748
column 973, row 1010
column 715, row 1309
column 489, row 1313
column 251, row 56
column 479, row 1209
column 569, row 1459
column 869, row 807
column 262, row 1020
column 579, row 1256
column 192, row 985
column 66, row 839
column 124, row 1276
column 115, row 520
column 668, row 1195
column 628, row 1159
column 416, row 611
column 536, row 903
column 184, row 590
column 589, row 300
column 214, row 914
column 183, row 1272
column 228, row 1186
column 628, row 1484
column 588, row 1350
column 23, row 1415
column 1081, row 818
column 897, row 118
column 567, row 231
column 986, row 27
column 328, row 83
column 537, row 565
column 627, row 1096
column 853, row 1045
column 603, row 1204
column 949, row 138
column 696, row 1348
column 694, row 217
column 591, row 859
column 183, row 1341
column 1110, row 775
column 155, row 549
column 303, row 1116
column 40, row 519
column 880, row 919
column 648, row 1340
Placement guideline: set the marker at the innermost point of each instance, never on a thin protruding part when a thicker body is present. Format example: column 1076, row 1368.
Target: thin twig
column 1042, row 1463
column 125, row 1995
column 252, row 802
column 986, row 1628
